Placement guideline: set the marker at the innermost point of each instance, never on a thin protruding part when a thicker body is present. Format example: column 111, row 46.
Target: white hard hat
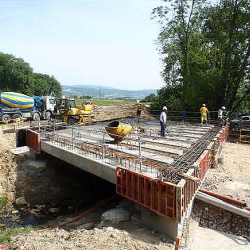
column 164, row 108
column 223, row 107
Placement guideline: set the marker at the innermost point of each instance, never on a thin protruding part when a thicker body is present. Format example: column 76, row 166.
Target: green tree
column 178, row 35
column 86, row 97
column 227, row 28
column 14, row 73
column 17, row 75
column 206, row 51
column 149, row 98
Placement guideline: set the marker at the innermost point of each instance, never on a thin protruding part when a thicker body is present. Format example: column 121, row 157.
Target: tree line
column 205, row 50
column 17, row 75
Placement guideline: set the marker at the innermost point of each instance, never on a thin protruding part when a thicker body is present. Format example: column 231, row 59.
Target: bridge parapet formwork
column 33, row 140
column 147, row 192
column 224, row 133
column 169, row 200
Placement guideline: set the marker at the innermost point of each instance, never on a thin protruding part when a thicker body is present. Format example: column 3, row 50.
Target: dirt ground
column 7, row 165
column 232, row 176
column 209, row 228
column 207, row 239
column 114, row 112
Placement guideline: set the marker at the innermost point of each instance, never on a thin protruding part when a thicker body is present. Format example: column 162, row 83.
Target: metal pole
column 54, row 127
column 102, row 152
column 140, row 152
column 72, row 138
column 39, row 126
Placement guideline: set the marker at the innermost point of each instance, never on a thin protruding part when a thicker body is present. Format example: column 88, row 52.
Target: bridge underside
column 160, row 174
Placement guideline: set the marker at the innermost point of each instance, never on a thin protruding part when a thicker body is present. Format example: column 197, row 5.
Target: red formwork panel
column 204, row 162
column 224, row 134
column 185, row 191
column 149, row 193
column 33, row 141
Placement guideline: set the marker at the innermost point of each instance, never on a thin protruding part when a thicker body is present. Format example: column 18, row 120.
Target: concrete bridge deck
column 94, row 151
column 145, row 166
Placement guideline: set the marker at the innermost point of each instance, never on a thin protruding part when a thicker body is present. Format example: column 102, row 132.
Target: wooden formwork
column 33, row 141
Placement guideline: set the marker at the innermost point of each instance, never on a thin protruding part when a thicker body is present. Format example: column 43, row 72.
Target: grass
column 3, row 202
column 6, row 234
column 108, row 102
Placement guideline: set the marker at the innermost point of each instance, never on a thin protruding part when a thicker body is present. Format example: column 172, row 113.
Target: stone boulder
column 116, row 215
column 20, row 202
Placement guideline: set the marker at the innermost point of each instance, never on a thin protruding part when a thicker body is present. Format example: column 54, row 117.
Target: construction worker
column 204, row 114
column 184, row 114
column 163, row 120
column 220, row 113
column 222, row 116
column 138, row 113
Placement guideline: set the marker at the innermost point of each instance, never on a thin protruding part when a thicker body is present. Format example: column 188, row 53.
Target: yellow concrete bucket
column 118, row 130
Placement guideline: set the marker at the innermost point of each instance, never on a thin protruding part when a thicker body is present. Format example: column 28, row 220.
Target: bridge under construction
column 159, row 174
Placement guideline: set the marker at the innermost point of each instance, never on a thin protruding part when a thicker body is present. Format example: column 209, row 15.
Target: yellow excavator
column 71, row 113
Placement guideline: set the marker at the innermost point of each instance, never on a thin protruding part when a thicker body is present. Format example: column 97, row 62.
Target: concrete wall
column 161, row 224
column 100, row 169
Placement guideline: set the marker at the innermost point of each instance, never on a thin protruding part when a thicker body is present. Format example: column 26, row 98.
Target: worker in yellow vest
column 204, row 114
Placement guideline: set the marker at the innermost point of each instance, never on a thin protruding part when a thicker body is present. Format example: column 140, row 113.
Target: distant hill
column 96, row 91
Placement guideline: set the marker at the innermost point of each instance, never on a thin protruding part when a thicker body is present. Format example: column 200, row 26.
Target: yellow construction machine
column 71, row 113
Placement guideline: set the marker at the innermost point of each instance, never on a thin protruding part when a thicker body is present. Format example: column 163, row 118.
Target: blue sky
column 109, row 43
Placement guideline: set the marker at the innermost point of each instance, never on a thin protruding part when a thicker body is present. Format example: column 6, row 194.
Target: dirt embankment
column 111, row 237
column 115, row 112
column 8, row 166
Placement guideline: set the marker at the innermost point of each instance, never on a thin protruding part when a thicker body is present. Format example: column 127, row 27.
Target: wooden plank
column 188, row 177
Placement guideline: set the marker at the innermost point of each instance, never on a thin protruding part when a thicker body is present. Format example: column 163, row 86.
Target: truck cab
column 243, row 122
column 49, row 104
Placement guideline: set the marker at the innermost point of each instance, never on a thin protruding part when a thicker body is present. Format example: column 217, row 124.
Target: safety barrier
column 149, row 193
column 33, row 141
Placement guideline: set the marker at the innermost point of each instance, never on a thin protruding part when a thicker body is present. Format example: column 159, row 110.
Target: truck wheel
column 35, row 117
column 6, row 118
column 48, row 115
